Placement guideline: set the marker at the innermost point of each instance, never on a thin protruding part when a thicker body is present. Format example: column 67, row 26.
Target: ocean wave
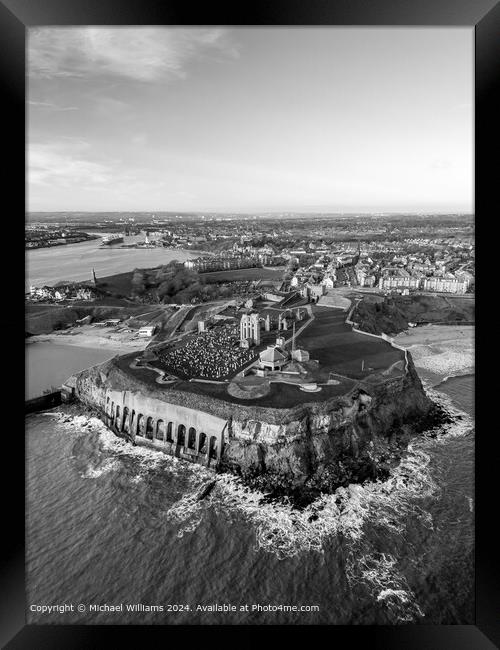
column 389, row 587
column 280, row 528
column 284, row 531
column 287, row 532
column 464, row 372
column 188, row 510
column 461, row 424
column 106, row 467
column 444, row 359
column 147, row 459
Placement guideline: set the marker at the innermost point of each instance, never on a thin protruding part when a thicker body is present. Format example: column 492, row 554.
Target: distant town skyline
column 250, row 119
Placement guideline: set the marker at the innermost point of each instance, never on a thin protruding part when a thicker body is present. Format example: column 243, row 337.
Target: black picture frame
column 483, row 16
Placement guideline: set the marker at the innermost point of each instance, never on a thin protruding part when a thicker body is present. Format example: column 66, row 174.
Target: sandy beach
column 88, row 336
column 440, row 351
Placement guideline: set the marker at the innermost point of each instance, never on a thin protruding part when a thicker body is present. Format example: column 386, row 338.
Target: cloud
column 140, row 53
column 51, row 106
column 109, row 106
column 441, row 164
column 139, row 139
column 65, row 165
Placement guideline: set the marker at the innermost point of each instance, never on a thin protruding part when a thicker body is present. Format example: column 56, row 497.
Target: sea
column 117, row 535
column 49, row 364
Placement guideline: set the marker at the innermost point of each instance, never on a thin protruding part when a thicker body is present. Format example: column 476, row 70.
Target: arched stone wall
column 191, row 441
column 140, row 425
column 181, row 435
column 202, row 443
column 212, row 450
column 160, row 430
column 125, row 420
column 186, row 433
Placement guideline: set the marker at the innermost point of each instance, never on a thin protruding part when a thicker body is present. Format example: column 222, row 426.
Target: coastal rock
column 317, row 445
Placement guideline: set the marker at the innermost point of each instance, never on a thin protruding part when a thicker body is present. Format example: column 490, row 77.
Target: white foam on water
column 462, row 423
column 77, row 423
column 187, row 512
column 95, row 472
column 285, row 531
column 378, row 571
column 147, row 458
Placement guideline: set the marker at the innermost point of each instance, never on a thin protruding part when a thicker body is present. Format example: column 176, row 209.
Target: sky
column 250, row 119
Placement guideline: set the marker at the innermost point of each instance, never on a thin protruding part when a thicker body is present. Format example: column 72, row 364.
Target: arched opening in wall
column 192, row 438
column 112, row 412
column 160, row 430
column 181, row 435
column 125, row 422
column 213, row 447
column 202, row 445
column 140, row 425
column 107, row 406
column 149, row 428
column 117, row 417
column 169, row 432
column 132, row 421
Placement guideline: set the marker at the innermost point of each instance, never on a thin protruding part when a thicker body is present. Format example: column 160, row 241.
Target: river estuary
column 74, row 262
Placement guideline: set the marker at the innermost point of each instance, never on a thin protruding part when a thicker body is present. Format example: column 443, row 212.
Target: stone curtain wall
column 179, row 431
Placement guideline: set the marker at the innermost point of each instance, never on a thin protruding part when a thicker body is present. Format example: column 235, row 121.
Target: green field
column 243, row 275
column 33, row 309
column 119, row 284
column 333, row 343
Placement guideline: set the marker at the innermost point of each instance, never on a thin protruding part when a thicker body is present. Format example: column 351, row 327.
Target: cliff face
column 318, row 445
column 353, row 438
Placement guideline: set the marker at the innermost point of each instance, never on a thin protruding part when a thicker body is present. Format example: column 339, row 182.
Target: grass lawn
column 119, row 284
column 329, row 340
column 243, row 275
column 32, row 309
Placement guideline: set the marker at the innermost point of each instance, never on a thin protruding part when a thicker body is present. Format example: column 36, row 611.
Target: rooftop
column 272, row 353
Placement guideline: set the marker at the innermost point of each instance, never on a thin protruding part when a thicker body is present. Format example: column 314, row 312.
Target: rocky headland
column 297, row 452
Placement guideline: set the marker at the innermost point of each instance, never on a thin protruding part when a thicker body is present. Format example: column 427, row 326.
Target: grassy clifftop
column 393, row 314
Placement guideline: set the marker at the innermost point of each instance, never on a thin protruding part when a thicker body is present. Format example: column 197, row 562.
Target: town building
column 272, row 358
column 445, row 285
column 146, row 331
column 300, row 355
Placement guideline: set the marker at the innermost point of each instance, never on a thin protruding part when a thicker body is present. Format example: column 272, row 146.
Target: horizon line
column 265, row 212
